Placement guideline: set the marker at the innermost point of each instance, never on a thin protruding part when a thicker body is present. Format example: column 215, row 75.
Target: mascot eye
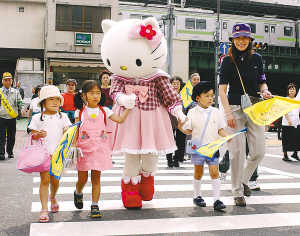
column 138, row 62
column 108, row 62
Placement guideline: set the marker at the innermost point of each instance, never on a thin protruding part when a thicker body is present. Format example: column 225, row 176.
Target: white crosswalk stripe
column 168, row 181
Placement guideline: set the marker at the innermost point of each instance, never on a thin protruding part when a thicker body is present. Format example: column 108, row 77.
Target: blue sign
column 224, row 48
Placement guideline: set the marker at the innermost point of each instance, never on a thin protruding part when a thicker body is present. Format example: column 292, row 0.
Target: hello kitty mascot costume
column 134, row 50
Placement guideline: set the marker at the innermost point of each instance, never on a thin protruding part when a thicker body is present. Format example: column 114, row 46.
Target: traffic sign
column 224, row 48
column 221, row 58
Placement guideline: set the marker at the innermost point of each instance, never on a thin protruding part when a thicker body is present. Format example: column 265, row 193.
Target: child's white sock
column 79, row 194
column 216, row 187
column 197, row 187
column 95, row 203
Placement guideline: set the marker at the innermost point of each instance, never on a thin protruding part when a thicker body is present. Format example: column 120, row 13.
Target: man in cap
column 11, row 100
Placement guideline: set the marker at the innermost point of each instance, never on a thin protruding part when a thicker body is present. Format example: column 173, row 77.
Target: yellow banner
column 208, row 151
column 267, row 111
column 7, row 107
column 62, row 151
column 186, row 94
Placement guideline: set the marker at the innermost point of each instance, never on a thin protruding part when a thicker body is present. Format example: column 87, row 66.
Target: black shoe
column 95, row 211
column 295, row 156
column 286, row 158
column 170, row 163
column 78, row 200
column 10, row 156
column 2, row 157
column 199, row 201
column 218, row 205
column 247, row 191
column 175, row 164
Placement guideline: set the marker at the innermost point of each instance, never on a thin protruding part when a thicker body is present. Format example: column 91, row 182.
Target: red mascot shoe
column 130, row 194
column 147, row 185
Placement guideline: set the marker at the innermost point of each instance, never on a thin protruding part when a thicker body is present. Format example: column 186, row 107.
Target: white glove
column 187, row 125
column 128, row 101
column 179, row 115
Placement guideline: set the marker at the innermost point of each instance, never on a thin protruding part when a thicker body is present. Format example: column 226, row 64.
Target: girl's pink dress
column 92, row 139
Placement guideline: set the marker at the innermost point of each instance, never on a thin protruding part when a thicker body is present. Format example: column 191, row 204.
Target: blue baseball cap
column 241, row 29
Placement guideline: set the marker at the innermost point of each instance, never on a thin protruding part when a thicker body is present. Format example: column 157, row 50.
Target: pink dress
column 147, row 129
column 92, row 139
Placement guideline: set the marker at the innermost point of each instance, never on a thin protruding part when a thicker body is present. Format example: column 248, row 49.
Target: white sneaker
column 253, row 185
column 222, row 177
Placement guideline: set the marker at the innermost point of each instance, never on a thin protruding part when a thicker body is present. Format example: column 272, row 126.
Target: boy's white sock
column 79, row 194
column 95, row 203
column 197, row 187
column 216, row 187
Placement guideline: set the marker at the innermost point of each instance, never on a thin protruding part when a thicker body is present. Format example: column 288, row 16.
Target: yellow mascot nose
column 123, row 68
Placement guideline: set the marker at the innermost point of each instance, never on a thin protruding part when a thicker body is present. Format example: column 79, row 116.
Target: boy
column 203, row 94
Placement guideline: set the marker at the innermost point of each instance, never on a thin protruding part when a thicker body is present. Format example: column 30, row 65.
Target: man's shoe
column 199, row 201
column 95, row 211
column 295, row 156
column 253, row 185
column 2, row 157
column 240, row 201
column 286, row 158
column 10, row 156
column 175, row 164
column 218, row 205
column 170, row 163
column 247, row 191
column 78, row 200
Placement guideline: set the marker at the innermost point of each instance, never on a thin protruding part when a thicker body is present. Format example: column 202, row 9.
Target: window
column 139, row 16
column 190, row 23
column 272, row 29
column 81, row 18
column 266, row 29
column 288, row 31
column 253, row 27
column 200, row 24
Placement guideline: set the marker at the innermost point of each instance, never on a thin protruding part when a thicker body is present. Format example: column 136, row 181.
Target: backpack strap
column 104, row 114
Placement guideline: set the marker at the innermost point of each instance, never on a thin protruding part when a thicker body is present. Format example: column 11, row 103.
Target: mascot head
column 133, row 48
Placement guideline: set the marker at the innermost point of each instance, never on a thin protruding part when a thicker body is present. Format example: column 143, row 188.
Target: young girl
column 49, row 126
column 92, row 139
column 203, row 93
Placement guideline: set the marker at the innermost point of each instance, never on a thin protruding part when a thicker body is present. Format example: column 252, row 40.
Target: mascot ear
column 152, row 21
column 107, row 24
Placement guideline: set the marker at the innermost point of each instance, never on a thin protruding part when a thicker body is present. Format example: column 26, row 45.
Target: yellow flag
column 208, row 151
column 267, row 111
column 186, row 94
column 62, row 151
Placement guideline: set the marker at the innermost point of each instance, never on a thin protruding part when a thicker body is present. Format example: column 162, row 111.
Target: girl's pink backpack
column 33, row 158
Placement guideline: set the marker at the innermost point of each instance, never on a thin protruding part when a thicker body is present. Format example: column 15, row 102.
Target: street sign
column 224, row 48
column 83, row 39
column 221, row 58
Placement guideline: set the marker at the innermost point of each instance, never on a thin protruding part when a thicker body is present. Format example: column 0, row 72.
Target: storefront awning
column 76, row 63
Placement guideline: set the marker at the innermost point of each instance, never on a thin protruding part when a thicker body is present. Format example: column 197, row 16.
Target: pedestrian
column 49, row 126
column 21, row 90
column 241, row 60
column 205, row 123
column 33, row 106
column 179, row 137
column 105, row 87
column 69, row 105
column 11, row 101
column 92, row 139
column 290, row 128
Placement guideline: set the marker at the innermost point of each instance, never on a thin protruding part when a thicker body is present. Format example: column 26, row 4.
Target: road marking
column 167, row 226
column 172, row 203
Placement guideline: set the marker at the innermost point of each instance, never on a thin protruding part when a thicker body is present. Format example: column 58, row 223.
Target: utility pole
column 217, row 43
column 170, row 22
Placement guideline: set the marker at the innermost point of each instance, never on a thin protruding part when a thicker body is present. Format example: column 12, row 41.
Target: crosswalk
column 172, row 210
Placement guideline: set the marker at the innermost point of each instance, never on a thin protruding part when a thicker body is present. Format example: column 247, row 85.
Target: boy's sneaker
column 218, row 205
column 95, row 211
column 199, row 201
column 78, row 200
column 253, row 185
column 223, row 177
